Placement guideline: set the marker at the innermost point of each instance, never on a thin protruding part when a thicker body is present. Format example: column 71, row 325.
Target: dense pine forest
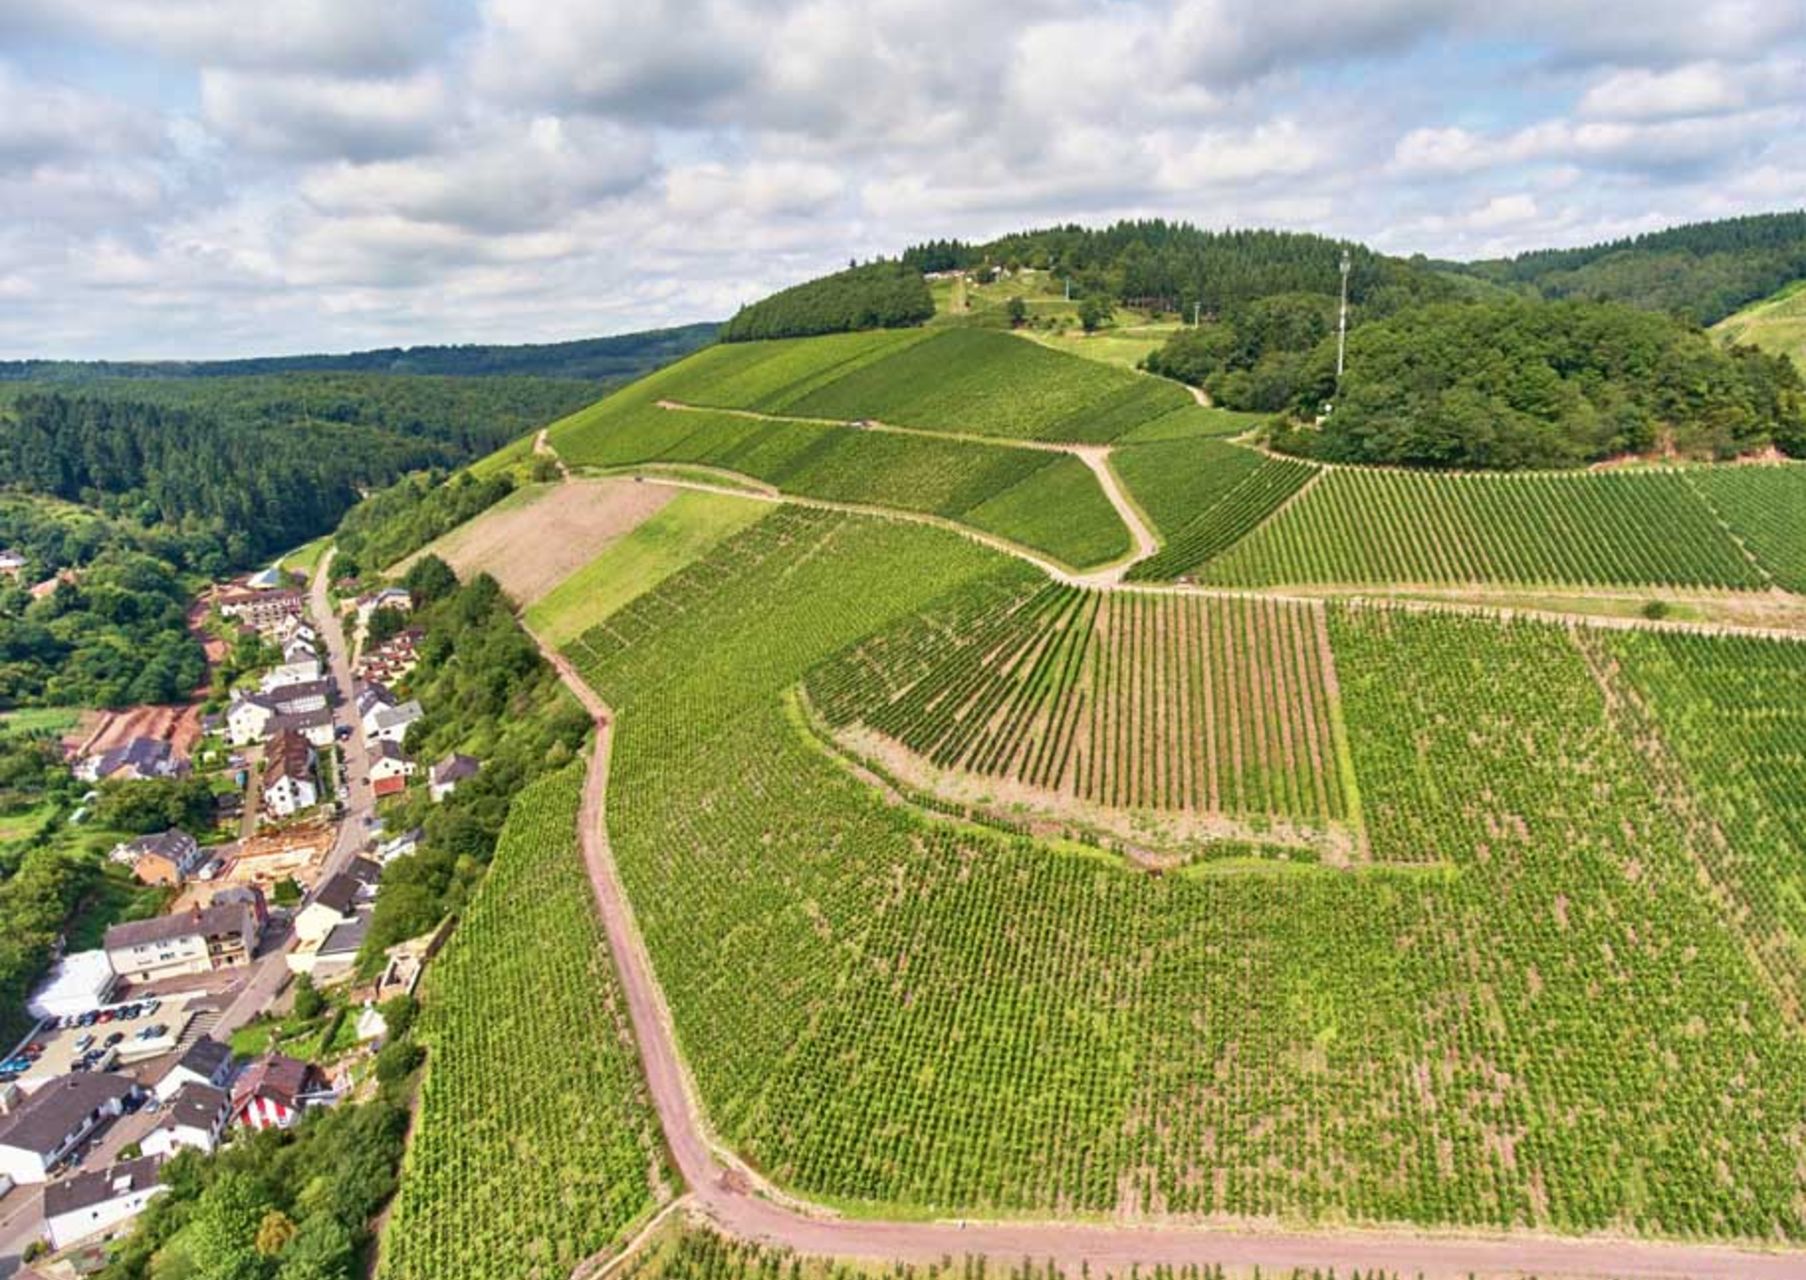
column 1703, row 271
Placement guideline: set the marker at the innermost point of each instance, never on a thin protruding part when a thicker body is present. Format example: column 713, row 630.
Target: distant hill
column 1704, row 271
column 613, row 359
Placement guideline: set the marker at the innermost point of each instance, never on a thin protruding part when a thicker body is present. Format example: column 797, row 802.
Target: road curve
column 732, row 1200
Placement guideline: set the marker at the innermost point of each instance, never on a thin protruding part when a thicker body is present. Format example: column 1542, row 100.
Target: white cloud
column 313, row 116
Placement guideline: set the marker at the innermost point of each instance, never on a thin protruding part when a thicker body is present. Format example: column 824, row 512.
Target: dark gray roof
column 299, row 720
column 44, row 1119
column 174, row 844
column 455, row 768
column 205, row 1056
column 339, row 893
column 364, row 871
column 345, row 939
column 144, row 754
column 221, row 918
column 88, row 1189
column 195, row 1106
column 286, row 695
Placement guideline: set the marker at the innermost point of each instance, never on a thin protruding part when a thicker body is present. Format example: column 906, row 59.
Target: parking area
column 103, row 1039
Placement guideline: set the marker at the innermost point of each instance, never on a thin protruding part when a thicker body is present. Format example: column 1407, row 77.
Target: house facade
column 92, row 1204
column 196, row 1117
column 41, row 1131
column 206, row 1063
column 288, row 774
column 169, row 858
column 222, row 936
column 274, row 1091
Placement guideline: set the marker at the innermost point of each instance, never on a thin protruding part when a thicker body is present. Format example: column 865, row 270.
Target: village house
column 402, row 846
column 449, row 772
column 196, row 1117
column 170, row 858
column 388, row 761
column 294, row 628
column 263, row 610
column 371, row 695
column 302, row 706
column 222, row 936
column 92, row 1203
column 12, row 564
column 274, row 1091
column 316, row 726
column 301, row 670
column 133, row 761
column 205, row 1062
column 288, row 775
column 37, row 1134
column 391, row 724
column 298, row 649
column 336, row 953
column 334, row 903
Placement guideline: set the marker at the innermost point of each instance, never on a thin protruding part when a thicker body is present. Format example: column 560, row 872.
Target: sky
column 204, row 178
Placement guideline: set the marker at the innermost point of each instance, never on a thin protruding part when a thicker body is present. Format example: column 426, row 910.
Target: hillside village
column 238, row 1005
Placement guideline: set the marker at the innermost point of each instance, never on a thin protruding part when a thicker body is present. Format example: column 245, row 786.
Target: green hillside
column 1776, row 324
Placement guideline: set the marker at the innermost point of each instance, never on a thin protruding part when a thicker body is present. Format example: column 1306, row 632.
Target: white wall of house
column 79, row 1224
column 164, row 958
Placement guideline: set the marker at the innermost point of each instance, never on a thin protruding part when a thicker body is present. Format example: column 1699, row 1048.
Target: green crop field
column 1551, row 1021
column 1646, row 528
column 1766, row 508
column 535, row 1145
column 1011, row 492
column 1121, row 699
column 1191, row 420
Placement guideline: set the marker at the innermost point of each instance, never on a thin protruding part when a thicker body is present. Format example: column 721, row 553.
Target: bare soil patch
column 533, row 540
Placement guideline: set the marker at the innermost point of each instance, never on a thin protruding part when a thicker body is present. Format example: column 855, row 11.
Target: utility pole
column 1342, row 323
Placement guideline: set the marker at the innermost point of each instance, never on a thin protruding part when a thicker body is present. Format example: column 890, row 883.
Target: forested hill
column 1175, row 266
column 615, row 359
column 1703, row 271
column 257, row 465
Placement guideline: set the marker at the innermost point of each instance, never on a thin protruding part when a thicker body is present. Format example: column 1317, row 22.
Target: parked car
column 84, row 1042
column 152, row 1005
column 113, row 1039
column 153, row 1031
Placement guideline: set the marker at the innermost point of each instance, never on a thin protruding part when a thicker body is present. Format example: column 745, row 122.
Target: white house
column 391, row 724
column 288, row 775
column 299, row 648
column 387, row 598
column 41, row 1131
column 206, row 1062
column 334, row 903
column 316, row 726
column 92, row 1203
column 388, row 761
column 449, row 772
column 196, row 1117
column 248, row 718
column 408, row 842
column 274, row 1091
column 300, row 670
column 296, row 627
column 222, row 936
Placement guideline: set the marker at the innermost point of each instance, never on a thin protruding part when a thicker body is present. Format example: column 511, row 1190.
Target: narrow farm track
column 739, row 1202
column 1096, row 457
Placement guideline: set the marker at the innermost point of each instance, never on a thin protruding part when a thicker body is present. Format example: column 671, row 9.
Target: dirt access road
column 742, row 1204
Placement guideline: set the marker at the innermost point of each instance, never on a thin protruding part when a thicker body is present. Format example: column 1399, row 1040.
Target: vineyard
column 1763, row 506
column 1354, row 526
column 1121, row 699
column 1047, row 501
column 534, row 1145
column 1204, row 496
column 1551, row 1023
column 1729, row 714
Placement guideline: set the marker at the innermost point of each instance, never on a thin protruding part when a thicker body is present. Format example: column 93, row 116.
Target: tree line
column 401, row 519
column 1703, row 271
column 1519, row 384
column 878, row 295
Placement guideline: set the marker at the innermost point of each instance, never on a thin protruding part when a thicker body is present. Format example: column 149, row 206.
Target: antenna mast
column 1342, row 321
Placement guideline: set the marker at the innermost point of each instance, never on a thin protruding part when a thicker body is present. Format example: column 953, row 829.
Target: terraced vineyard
column 534, row 1145
column 1124, row 700
column 1766, row 508
column 1646, row 528
column 1047, row 501
column 885, row 1011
